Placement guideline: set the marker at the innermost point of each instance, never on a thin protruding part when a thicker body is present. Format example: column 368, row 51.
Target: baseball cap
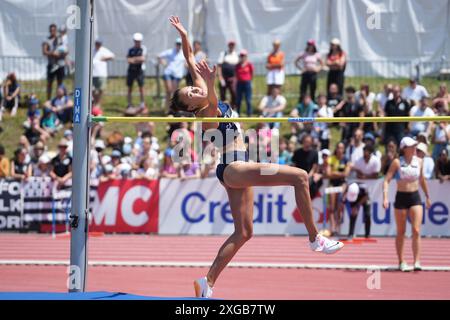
column 108, row 168
column 127, row 148
column 63, row 143
column 407, row 142
column 106, row 159
column 116, row 154
column 422, row 147
column 352, row 192
column 138, row 36
column 33, row 101
column 67, row 133
column 243, row 52
column 335, row 41
column 96, row 111
column 44, row 159
column 311, row 42
column 178, row 41
column 98, row 40
column 127, row 140
column 99, row 144
column 326, row 152
column 369, row 136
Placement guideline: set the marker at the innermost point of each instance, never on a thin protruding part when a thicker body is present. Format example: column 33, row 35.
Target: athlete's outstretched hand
column 205, row 71
column 175, row 21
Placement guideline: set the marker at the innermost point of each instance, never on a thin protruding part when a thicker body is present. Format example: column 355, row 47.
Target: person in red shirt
column 244, row 75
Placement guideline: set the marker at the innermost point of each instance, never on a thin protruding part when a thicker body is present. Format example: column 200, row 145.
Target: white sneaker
column 403, row 266
column 325, row 245
column 202, row 289
column 417, row 266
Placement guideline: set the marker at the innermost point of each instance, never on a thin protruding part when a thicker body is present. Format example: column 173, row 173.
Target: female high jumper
column 236, row 174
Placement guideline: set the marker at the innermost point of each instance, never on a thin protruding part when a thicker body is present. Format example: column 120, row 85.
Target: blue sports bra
column 408, row 172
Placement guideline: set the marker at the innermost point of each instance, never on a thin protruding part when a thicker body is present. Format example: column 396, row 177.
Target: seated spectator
column 36, row 152
column 322, row 128
column 441, row 101
column 20, row 168
column 428, row 163
column 49, row 121
column 147, row 169
column 355, row 150
column 127, row 150
column 368, row 166
column 384, row 97
column 364, row 92
column 440, row 137
column 145, row 152
column 108, row 173
column 414, row 92
column 273, row 106
column 443, row 166
column 305, row 109
column 188, row 170
column 368, row 127
column 33, row 111
column 210, row 162
column 61, row 172
column 4, row 163
column 397, row 107
column 68, row 135
column 389, row 156
column 349, row 107
column 116, row 156
column 11, row 94
column 369, row 140
column 422, row 110
column 333, row 96
column 168, row 168
column 62, row 105
column 42, row 169
column 306, row 157
column 35, row 133
column 285, row 154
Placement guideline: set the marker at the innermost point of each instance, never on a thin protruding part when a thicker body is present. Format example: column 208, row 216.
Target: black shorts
column 137, row 75
column 406, row 200
column 58, row 74
column 229, row 158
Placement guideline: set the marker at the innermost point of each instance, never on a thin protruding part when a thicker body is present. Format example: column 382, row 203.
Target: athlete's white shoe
column 403, row 266
column 325, row 245
column 202, row 289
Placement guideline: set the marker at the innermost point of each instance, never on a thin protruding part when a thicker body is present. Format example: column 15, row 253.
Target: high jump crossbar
column 270, row 119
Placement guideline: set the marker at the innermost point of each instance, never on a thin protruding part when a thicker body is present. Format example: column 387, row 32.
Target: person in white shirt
column 384, row 97
column 368, row 166
column 174, row 71
column 428, row 162
column 355, row 150
column 100, row 60
column 422, row 110
column 273, row 106
column 369, row 97
column 321, row 128
column 226, row 71
column 414, row 92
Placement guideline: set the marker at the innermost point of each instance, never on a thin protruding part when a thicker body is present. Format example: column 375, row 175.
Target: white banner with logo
column 201, row 207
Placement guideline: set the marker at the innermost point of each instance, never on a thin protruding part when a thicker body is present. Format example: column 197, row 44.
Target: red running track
column 235, row 283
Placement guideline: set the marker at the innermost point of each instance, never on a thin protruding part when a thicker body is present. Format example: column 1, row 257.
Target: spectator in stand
column 108, row 173
column 42, row 168
column 35, row 133
column 136, row 66
column 321, row 128
column 336, row 62
column 309, row 63
column 273, row 105
column 68, row 135
column 440, row 138
column 147, row 169
column 62, row 105
column 188, row 170
column 61, row 172
column 333, row 96
column 368, row 127
column 37, row 151
column 397, row 107
column 244, row 76
column 306, row 157
column 20, row 167
column 174, row 69
column 4, row 163
column 369, row 140
column 357, row 196
column 210, row 161
column 285, row 154
column 368, row 166
column 354, row 150
column 389, row 156
column 199, row 55
column 414, row 92
column 56, row 59
column 305, row 109
column 383, row 97
column 168, row 168
column 275, row 67
column 146, row 152
column 11, row 93
column 442, row 99
column 116, row 162
column 63, row 48
column 49, row 122
column 364, row 92
column 422, row 110
column 349, row 107
column 100, row 60
column 428, row 162
column 338, row 170
column 443, row 166
column 226, row 70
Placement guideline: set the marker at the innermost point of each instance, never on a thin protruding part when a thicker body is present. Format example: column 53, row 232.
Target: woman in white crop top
column 408, row 171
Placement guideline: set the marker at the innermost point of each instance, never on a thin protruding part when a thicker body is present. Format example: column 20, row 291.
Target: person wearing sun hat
column 408, row 172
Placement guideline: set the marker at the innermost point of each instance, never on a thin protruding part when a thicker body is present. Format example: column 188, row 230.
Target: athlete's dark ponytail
column 176, row 104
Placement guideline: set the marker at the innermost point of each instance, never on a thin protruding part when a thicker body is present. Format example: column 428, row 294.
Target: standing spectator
column 357, row 196
column 136, row 66
column 100, row 69
column 368, row 166
column 199, row 55
column 354, row 150
column 443, row 166
column 440, row 138
column 364, row 92
column 414, row 92
column 63, row 47
column 336, row 62
column 42, row 168
column 11, row 94
column 397, row 107
column 442, row 99
column 322, row 128
column 61, row 166
column 244, row 76
column 333, row 96
column 309, row 63
column 226, row 67
column 275, row 67
column 272, row 106
column 389, row 156
column 20, row 168
column 422, row 110
column 56, row 59
column 349, row 107
column 305, row 109
column 384, row 97
column 174, row 71
column 428, row 162
column 62, row 105
column 4, row 163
